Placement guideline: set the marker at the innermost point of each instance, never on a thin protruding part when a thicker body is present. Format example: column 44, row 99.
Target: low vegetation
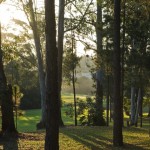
column 74, row 138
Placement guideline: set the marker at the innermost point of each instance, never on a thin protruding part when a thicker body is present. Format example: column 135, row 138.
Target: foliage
column 70, row 61
column 27, row 80
column 17, row 95
column 69, row 112
column 137, row 43
column 86, row 111
column 30, row 99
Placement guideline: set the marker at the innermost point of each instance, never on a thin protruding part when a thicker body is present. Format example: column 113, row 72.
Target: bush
column 30, row 99
column 86, row 111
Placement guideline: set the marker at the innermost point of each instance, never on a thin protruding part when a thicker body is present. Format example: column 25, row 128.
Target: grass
column 27, row 122
column 75, row 138
column 81, row 138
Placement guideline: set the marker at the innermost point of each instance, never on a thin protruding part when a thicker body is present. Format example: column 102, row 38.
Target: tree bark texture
column 8, row 125
column 38, row 48
column 99, row 27
column 136, row 105
column 118, row 108
column 139, row 98
column 52, row 94
column 107, row 102
column 133, row 105
column 122, row 54
column 74, row 95
column 60, row 51
column 99, row 120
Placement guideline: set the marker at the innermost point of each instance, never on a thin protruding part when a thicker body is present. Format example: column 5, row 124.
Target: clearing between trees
column 80, row 138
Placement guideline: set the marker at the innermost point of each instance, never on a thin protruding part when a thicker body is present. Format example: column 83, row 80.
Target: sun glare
column 8, row 12
column 5, row 14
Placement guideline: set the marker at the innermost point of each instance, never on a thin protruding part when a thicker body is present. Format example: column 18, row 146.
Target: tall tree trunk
column 141, row 110
column 74, row 94
column 60, row 51
column 108, row 101
column 99, row 27
column 99, row 120
column 133, row 105
column 8, row 124
column 122, row 55
column 118, row 108
column 73, row 80
column 137, row 107
column 52, row 94
column 33, row 24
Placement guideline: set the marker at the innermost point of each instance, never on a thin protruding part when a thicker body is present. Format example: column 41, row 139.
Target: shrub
column 30, row 99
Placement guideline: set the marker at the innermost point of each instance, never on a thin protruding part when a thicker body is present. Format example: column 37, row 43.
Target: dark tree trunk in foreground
column 118, row 110
column 52, row 95
column 99, row 120
column 107, row 102
column 122, row 54
column 8, row 125
column 60, row 51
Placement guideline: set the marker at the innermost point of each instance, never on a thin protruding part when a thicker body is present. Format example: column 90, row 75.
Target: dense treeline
column 117, row 33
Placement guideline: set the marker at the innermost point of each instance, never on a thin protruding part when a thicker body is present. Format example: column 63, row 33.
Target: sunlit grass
column 82, row 138
column 76, row 138
column 69, row 98
column 27, row 122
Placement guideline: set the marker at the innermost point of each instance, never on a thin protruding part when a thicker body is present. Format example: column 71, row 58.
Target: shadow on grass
column 95, row 139
column 136, row 129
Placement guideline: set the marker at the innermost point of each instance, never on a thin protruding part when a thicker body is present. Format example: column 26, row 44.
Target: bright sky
column 8, row 12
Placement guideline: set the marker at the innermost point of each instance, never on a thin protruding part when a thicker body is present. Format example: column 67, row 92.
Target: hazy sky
column 8, row 11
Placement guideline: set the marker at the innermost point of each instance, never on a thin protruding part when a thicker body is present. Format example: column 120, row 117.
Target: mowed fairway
column 74, row 138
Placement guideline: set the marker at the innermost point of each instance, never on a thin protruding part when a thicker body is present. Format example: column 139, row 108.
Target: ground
column 75, row 138
column 81, row 138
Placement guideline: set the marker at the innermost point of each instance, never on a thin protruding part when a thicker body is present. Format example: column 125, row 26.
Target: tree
column 137, row 52
column 8, row 125
column 29, row 11
column 52, row 93
column 60, row 50
column 99, row 120
column 71, row 61
column 118, row 110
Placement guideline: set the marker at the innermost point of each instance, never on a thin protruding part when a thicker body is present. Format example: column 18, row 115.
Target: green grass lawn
column 75, row 138
column 81, row 138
